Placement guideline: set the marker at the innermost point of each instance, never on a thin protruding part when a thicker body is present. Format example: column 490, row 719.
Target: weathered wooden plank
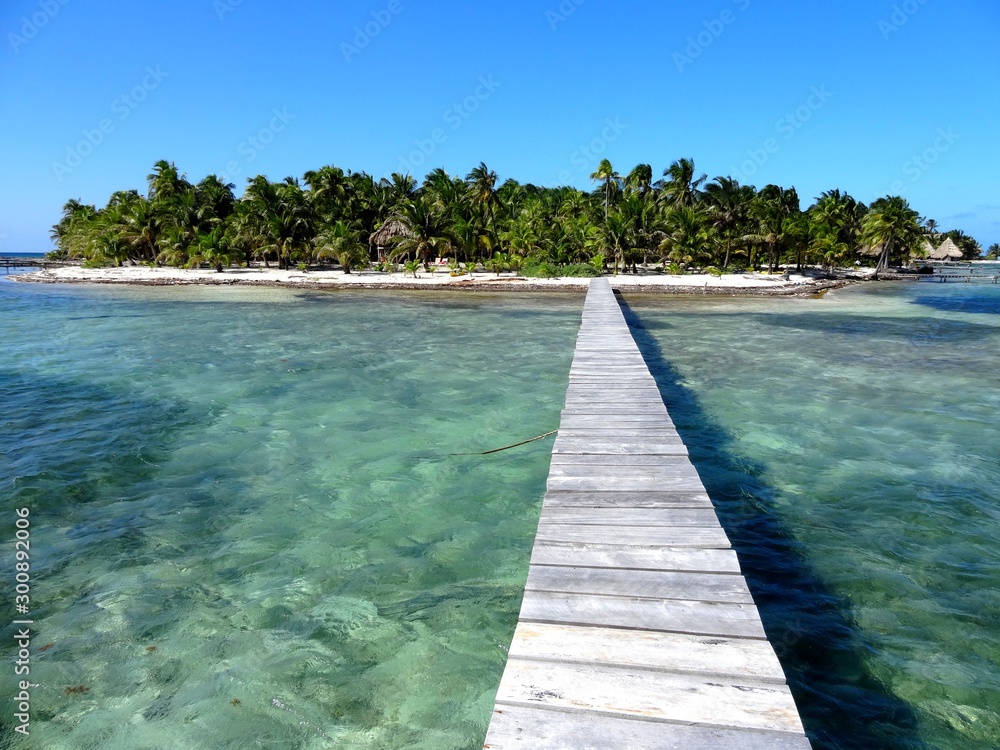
column 639, row 558
column 612, row 474
column 584, row 416
column 669, row 652
column 543, row 728
column 628, row 516
column 648, row 584
column 656, row 536
column 601, row 397
column 676, row 499
column 596, row 446
column 629, row 370
column 670, row 615
column 669, row 697
column 603, row 459
column 618, row 435
column 676, row 466
column 579, row 402
column 629, row 433
column 614, row 390
column 623, row 484
column 596, row 420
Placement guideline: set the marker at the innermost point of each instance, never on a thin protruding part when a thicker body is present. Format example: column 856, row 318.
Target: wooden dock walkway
column 637, row 630
column 8, row 263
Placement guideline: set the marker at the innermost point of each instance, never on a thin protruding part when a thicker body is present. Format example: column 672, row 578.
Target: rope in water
column 506, row 447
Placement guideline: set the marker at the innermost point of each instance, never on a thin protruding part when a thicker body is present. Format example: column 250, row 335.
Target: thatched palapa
column 382, row 238
column 948, row 251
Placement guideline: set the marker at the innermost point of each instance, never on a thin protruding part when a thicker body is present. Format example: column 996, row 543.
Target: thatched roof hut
column 948, row 251
column 926, row 251
column 382, row 237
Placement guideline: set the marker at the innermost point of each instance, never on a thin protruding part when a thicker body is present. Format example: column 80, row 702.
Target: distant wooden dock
column 8, row 263
column 637, row 630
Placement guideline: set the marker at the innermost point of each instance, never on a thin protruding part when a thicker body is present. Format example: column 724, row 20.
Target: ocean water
column 852, row 447
column 247, row 530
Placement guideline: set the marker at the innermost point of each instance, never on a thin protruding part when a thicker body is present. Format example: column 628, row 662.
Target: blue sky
column 869, row 97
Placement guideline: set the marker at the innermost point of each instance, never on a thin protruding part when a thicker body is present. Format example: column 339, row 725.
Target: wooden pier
column 637, row 630
column 8, row 263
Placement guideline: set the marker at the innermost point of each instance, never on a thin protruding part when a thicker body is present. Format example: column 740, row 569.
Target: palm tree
column 932, row 229
column 686, row 237
column 522, row 238
column 481, row 182
column 328, row 191
column 429, row 234
column 728, row 205
column 241, row 232
column 143, row 227
column 212, row 248
column 616, row 235
column 343, row 242
column 511, row 195
column 165, row 183
column 892, row 226
column 281, row 218
column 606, row 173
column 214, row 200
column 841, row 213
column 776, row 213
column 107, row 242
column 640, row 179
column 681, row 187
column 71, row 233
column 829, row 248
column 402, row 189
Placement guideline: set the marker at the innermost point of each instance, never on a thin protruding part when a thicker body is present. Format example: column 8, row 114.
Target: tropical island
column 679, row 225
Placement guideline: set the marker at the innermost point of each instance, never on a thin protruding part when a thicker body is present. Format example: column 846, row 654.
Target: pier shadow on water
column 811, row 629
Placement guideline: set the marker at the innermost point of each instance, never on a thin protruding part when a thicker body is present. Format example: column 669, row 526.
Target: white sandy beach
column 144, row 275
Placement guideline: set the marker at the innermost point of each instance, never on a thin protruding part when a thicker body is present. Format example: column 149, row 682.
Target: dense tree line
column 682, row 221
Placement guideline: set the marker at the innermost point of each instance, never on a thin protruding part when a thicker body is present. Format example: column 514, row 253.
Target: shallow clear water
column 852, row 446
column 246, row 527
column 247, row 533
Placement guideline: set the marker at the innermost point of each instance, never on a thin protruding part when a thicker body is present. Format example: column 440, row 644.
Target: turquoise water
column 247, row 531
column 852, row 446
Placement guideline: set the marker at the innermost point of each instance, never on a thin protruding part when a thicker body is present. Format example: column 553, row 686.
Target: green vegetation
column 682, row 222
